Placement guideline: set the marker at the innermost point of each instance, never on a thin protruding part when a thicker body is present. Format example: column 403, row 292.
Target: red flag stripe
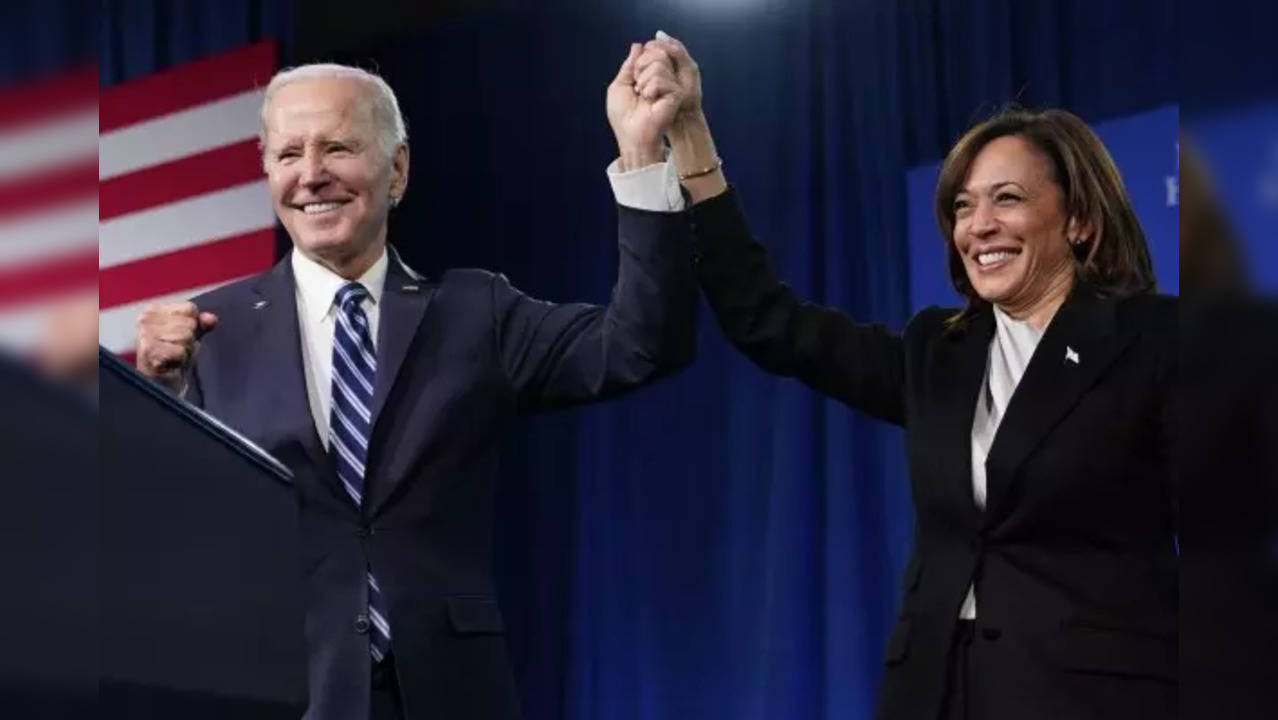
column 201, row 265
column 179, row 179
column 51, row 97
column 47, row 190
column 187, row 86
column 54, row 276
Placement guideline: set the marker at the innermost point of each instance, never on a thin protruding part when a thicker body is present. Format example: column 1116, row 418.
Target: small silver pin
column 1071, row 355
column 260, row 304
column 410, row 288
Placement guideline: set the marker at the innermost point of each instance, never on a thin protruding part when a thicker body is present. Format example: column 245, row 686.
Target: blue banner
column 1240, row 151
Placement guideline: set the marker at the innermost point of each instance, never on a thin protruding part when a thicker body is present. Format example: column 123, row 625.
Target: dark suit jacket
column 1073, row 558
column 458, row 357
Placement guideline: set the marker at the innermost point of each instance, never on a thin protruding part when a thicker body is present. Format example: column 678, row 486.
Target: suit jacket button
column 991, row 633
column 361, row 624
column 363, row 531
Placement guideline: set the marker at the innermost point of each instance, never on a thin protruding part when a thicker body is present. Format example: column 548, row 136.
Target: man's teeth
column 993, row 257
column 313, row 208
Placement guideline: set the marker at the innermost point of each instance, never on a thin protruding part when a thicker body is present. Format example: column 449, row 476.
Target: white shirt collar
column 318, row 285
column 1009, row 326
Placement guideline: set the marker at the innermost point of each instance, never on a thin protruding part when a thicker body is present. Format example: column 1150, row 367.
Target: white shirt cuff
column 654, row 187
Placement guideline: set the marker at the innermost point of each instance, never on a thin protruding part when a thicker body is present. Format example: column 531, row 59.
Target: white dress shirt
column 653, row 187
column 1010, row 352
column 316, row 287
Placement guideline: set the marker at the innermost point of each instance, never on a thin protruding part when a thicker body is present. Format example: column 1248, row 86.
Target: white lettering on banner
column 1172, row 182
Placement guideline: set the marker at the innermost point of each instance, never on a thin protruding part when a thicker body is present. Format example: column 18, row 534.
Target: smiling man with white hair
column 385, row 392
column 335, row 150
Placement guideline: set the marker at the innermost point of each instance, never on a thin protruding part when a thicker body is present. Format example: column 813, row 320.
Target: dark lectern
column 200, row 591
column 48, row 548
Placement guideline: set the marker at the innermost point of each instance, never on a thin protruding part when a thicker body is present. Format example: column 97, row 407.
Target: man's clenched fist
column 167, row 338
column 641, row 106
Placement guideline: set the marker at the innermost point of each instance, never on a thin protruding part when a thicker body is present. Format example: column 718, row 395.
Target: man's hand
column 642, row 102
column 167, row 338
column 687, row 75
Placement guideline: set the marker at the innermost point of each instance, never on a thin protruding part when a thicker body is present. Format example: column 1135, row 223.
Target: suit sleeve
column 862, row 365
column 559, row 355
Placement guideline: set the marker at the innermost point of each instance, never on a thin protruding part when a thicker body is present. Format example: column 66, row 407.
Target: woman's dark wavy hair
column 1115, row 259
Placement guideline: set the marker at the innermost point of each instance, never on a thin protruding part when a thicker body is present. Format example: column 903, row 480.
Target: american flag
column 183, row 205
column 48, row 204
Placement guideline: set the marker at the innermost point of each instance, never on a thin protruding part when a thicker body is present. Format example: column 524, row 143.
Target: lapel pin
column 259, row 304
column 410, row 288
column 1071, row 355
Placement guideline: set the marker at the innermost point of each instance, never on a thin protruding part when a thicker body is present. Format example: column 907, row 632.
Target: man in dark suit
column 385, row 392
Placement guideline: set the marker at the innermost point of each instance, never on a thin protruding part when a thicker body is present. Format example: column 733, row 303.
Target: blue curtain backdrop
column 38, row 39
column 726, row 544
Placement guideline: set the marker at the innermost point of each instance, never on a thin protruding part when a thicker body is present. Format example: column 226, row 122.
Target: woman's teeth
column 990, row 258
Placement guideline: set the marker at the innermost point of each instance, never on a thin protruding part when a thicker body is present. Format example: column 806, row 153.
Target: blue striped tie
column 354, row 368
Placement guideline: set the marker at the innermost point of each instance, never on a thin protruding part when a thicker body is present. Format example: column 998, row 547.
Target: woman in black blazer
column 1043, row 580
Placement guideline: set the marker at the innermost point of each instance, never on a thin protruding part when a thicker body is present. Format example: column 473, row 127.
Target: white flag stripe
column 48, row 234
column 187, row 132
column 57, row 143
column 185, row 224
column 117, row 326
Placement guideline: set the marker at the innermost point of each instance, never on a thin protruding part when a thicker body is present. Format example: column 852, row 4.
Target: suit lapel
column 960, row 368
column 280, row 374
column 404, row 301
column 1080, row 343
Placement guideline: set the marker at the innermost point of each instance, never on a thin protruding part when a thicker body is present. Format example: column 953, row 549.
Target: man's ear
column 399, row 173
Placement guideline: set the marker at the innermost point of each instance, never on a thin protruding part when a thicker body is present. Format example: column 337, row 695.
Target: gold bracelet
column 688, row 176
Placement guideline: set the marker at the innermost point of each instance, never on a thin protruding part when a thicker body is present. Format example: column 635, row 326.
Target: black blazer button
column 361, row 624
column 991, row 633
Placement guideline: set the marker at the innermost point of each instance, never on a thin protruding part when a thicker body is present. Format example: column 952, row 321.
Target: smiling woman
column 1030, row 202
column 1039, row 422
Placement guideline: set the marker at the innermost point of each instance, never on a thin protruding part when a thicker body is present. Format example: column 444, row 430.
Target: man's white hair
column 389, row 121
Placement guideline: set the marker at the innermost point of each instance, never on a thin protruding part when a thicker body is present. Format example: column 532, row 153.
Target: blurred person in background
column 1211, row 262
column 67, row 350
column 1227, row 462
column 1039, row 423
